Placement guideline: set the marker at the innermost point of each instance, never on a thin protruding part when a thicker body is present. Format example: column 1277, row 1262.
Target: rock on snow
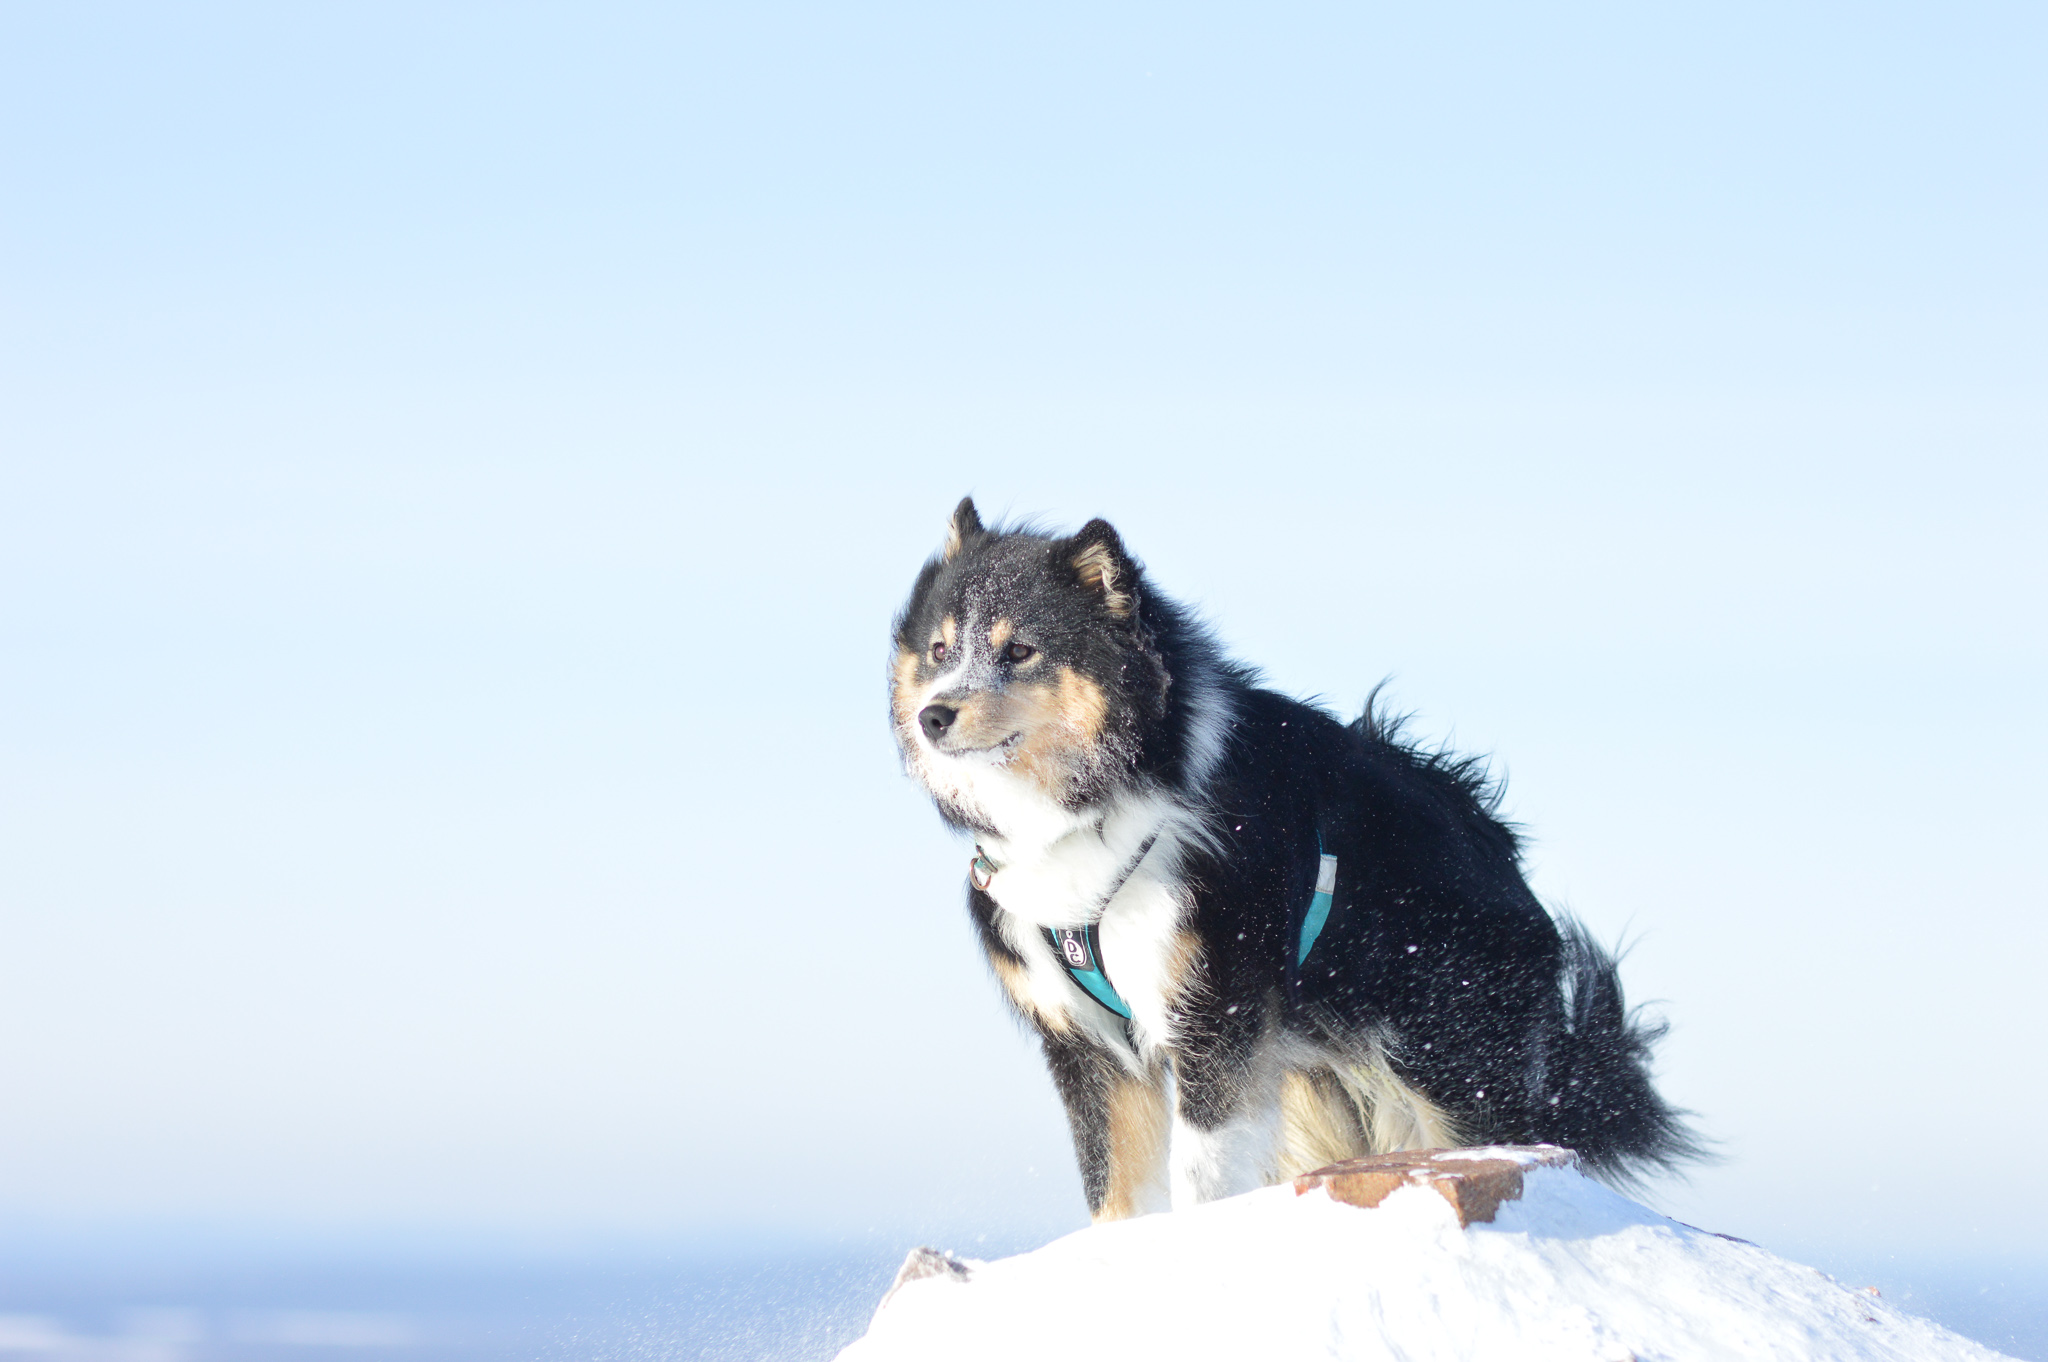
column 1570, row 1270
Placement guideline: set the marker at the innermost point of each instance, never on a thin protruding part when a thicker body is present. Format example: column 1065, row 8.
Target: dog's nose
column 936, row 720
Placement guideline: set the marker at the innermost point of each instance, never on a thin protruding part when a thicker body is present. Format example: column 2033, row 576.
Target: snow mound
column 1570, row 1270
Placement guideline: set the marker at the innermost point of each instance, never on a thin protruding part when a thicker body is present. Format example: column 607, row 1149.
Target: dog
column 1252, row 939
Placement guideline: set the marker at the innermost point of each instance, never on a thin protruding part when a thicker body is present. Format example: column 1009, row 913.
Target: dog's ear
column 1103, row 569
column 964, row 526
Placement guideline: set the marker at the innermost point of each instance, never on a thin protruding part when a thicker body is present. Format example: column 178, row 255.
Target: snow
column 1572, row 1271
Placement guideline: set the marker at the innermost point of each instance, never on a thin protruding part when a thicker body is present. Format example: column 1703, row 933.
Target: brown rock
column 1474, row 1181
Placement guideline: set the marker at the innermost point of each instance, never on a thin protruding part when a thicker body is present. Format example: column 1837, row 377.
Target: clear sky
column 457, row 466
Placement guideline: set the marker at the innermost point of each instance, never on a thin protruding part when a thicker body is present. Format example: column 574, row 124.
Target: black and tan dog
column 1252, row 938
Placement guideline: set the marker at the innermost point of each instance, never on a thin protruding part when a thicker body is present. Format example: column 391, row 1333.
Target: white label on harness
column 1326, row 876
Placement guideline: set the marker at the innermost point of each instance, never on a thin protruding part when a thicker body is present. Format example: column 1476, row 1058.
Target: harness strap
column 1079, row 949
column 1318, row 906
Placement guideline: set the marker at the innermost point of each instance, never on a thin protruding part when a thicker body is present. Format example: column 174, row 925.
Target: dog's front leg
column 1119, row 1122
column 1226, row 1120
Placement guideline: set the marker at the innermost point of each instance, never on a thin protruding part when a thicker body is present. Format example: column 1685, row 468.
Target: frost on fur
column 1117, row 773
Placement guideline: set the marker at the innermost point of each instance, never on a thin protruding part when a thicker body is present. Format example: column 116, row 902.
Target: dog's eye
column 1019, row 652
column 938, row 652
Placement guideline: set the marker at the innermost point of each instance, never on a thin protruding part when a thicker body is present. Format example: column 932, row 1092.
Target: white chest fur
column 1072, row 880
column 1123, row 878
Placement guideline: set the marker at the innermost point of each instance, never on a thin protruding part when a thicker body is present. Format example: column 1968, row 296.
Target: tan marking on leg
column 1395, row 1116
column 1319, row 1125
column 1137, row 1149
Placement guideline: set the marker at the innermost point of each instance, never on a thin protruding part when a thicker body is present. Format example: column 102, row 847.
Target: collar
column 982, row 872
column 1078, row 949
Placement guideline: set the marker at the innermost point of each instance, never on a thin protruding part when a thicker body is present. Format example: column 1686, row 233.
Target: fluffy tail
column 1599, row 1099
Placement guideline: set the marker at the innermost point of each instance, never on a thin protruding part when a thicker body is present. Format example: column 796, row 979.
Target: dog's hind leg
column 1394, row 1114
column 1320, row 1124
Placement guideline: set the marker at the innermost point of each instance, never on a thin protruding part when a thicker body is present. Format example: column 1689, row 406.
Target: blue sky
column 457, row 466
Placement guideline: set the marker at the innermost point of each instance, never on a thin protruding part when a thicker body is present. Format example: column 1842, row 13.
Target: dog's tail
column 1599, row 1099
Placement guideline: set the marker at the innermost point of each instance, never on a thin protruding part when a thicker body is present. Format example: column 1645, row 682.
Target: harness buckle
column 981, row 871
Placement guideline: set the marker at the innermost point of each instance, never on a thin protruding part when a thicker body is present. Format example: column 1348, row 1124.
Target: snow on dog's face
column 1023, row 675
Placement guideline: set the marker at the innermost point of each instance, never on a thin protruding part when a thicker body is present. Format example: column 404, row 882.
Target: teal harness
column 1079, row 949
column 1080, row 953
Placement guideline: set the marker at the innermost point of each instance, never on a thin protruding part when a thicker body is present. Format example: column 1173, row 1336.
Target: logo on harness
column 1073, row 948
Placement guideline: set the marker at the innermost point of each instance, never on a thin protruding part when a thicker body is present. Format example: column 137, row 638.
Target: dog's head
column 1025, row 673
